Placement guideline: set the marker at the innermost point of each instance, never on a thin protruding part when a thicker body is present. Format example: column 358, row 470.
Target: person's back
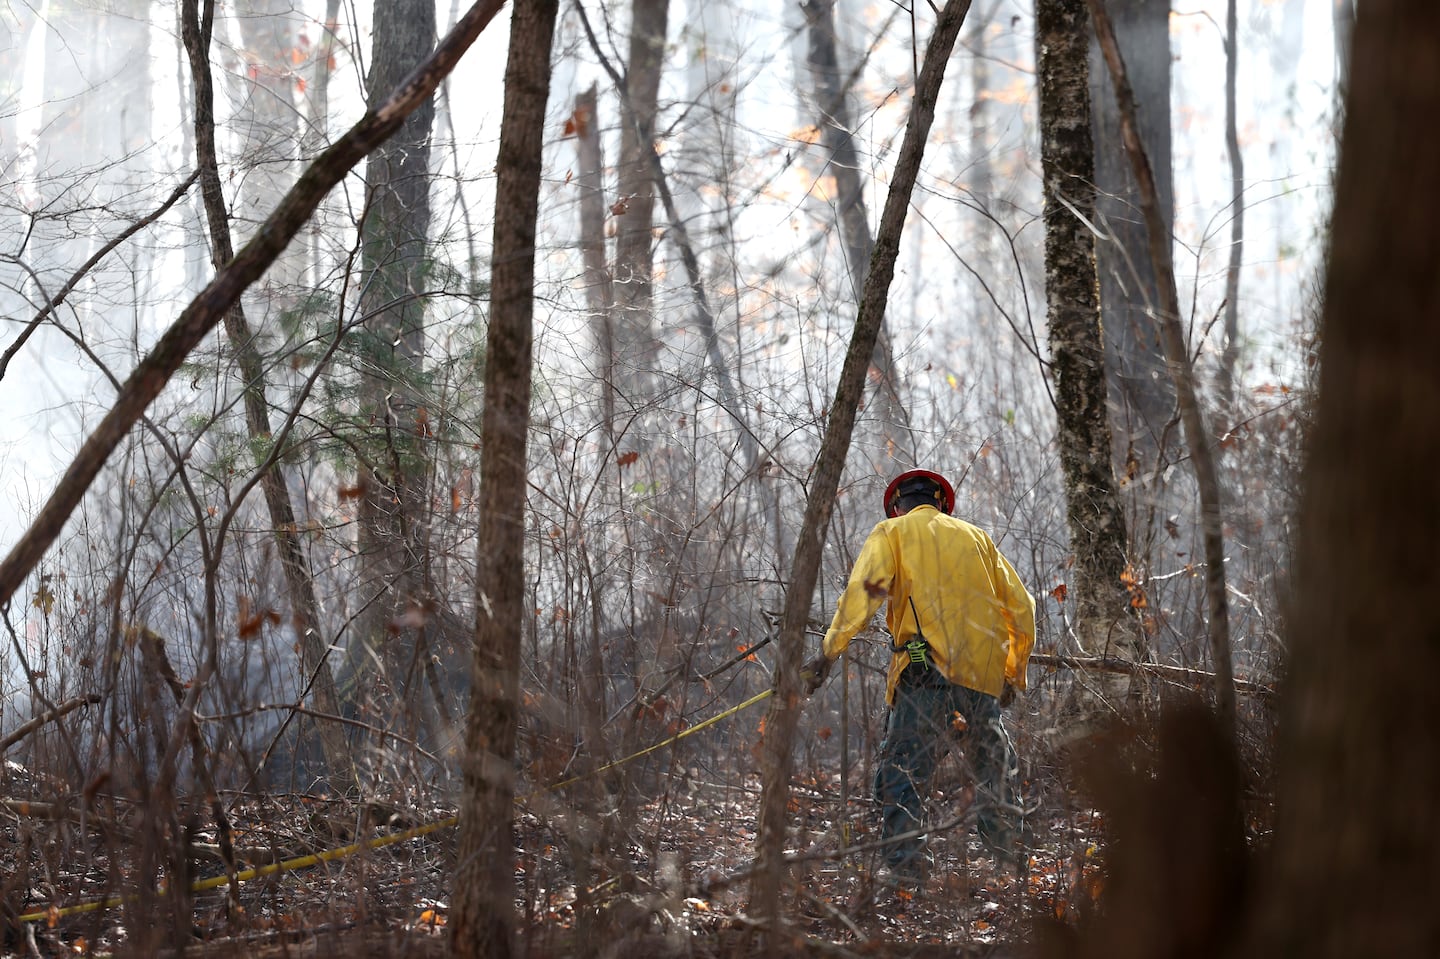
column 967, row 599
column 962, row 627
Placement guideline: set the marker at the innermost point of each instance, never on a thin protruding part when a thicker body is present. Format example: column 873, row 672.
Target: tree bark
column 1359, row 750
column 599, row 288
column 784, row 711
column 267, row 121
column 483, row 922
column 633, row 330
column 1198, row 436
column 208, row 308
column 1140, row 391
column 392, row 529
column 304, row 604
column 1230, row 356
column 1104, row 624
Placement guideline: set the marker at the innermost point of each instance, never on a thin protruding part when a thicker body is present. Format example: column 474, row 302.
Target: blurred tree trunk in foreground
column 483, row 922
column 1360, row 748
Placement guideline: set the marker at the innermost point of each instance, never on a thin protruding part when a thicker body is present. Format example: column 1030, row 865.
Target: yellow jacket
column 975, row 614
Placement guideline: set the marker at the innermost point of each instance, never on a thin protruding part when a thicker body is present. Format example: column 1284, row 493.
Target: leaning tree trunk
column 1198, row 437
column 1141, row 392
column 304, row 603
column 784, row 714
column 1104, row 625
column 483, row 922
column 1359, row 776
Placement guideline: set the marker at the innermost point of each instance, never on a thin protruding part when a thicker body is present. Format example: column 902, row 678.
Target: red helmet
column 919, row 481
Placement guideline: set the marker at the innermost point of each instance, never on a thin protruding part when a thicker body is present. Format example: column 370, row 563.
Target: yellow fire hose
column 55, row 913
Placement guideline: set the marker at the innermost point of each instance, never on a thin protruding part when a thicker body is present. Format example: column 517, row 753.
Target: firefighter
column 962, row 627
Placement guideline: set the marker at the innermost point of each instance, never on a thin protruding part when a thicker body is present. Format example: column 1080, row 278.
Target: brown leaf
column 1060, row 592
column 577, row 124
column 625, row 459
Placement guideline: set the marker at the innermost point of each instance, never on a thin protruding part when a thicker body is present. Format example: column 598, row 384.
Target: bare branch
column 51, row 303
column 47, row 717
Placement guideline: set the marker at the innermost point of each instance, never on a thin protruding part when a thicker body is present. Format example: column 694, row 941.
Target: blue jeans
column 922, row 725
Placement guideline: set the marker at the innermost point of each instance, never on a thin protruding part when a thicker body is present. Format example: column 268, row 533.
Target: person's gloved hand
column 813, row 674
column 1007, row 696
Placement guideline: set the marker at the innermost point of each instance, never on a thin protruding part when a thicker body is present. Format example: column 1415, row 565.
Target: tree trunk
column 633, row 331
column 784, row 711
column 599, row 289
column 1140, row 392
column 483, row 921
column 1104, row 625
column 1359, row 752
column 831, row 96
column 267, row 121
column 392, row 537
column 1230, row 356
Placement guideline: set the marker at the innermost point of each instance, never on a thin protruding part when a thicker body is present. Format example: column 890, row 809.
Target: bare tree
column 483, row 920
column 1230, row 356
column 1140, row 389
column 398, row 609
column 832, row 91
column 632, row 333
column 1198, row 436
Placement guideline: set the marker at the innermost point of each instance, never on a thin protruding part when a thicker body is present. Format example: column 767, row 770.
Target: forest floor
column 670, row 882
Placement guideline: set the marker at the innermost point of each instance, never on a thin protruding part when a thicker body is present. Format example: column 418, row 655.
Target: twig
column 52, row 302
column 316, row 714
column 834, row 913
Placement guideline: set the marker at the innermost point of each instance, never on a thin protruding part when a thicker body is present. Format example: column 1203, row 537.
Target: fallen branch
column 48, row 716
column 1183, row 674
